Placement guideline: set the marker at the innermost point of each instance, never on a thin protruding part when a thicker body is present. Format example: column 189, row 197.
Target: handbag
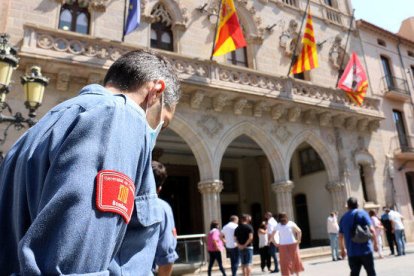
column 360, row 233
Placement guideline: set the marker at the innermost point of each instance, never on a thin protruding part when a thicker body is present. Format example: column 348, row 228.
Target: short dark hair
column 245, row 218
column 214, row 224
column 352, row 203
column 372, row 213
column 160, row 173
column 283, row 218
column 132, row 70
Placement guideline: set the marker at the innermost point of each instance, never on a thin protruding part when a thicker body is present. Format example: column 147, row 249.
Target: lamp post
column 33, row 84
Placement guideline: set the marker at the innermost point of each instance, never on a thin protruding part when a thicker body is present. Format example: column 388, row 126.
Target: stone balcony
column 403, row 150
column 282, row 98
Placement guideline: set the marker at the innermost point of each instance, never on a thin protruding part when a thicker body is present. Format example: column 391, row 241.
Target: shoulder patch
column 115, row 192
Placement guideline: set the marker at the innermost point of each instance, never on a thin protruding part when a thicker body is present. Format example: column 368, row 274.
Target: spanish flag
column 229, row 36
column 308, row 58
column 354, row 81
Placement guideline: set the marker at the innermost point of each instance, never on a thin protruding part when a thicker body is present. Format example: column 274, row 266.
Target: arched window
column 161, row 33
column 75, row 17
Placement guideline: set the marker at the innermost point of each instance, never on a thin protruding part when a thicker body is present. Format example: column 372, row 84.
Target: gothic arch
column 260, row 137
column 250, row 21
column 320, row 147
column 175, row 9
column 197, row 146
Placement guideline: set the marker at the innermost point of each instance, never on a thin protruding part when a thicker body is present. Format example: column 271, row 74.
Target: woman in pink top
column 215, row 246
column 378, row 230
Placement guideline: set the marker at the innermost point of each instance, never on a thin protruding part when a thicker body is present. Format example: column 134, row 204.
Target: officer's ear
column 155, row 91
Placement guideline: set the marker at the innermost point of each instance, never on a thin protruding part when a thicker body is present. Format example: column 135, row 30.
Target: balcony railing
column 333, row 15
column 292, row 3
column 191, row 251
column 403, row 147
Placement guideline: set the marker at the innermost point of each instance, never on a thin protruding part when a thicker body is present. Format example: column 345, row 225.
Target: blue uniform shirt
column 345, row 228
column 167, row 242
column 49, row 222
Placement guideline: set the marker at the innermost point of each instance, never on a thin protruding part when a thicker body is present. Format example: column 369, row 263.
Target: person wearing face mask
column 77, row 192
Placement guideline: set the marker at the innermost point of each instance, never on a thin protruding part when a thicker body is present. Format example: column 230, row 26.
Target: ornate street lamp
column 33, row 84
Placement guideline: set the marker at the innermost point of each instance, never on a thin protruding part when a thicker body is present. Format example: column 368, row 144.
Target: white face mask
column 154, row 132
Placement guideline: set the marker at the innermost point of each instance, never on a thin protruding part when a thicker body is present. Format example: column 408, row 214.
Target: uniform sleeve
column 69, row 235
column 167, row 242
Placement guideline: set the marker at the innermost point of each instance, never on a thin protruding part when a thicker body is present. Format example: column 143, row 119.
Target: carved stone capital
column 373, row 125
column 294, row 114
column 350, row 123
column 283, row 187
column 325, row 119
column 362, row 125
column 309, row 116
column 338, row 121
column 210, row 187
column 336, row 186
column 278, row 111
column 62, row 81
column 219, row 102
column 239, row 105
column 259, row 108
column 196, row 99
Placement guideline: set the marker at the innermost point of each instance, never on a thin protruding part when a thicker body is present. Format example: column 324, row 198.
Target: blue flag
column 134, row 16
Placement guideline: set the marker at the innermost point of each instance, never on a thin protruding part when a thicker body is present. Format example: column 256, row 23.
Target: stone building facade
column 246, row 137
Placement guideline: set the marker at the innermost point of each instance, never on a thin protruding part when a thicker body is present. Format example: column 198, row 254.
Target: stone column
column 210, row 191
column 336, row 189
column 283, row 192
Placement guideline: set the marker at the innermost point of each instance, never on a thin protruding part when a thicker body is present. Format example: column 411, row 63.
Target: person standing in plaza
column 244, row 238
column 398, row 230
column 214, row 247
column 376, row 223
column 271, row 225
column 264, row 249
column 386, row 222
column 288, row 236
column 359, row 254
column 333, row 230
column 77, row 190
column 227, row 234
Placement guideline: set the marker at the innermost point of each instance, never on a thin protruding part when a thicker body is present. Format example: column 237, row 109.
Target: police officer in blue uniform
column 77, row 192
column 165, row 256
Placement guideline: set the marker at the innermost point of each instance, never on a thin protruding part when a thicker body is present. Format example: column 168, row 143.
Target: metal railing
column 333, row 15
column 402, row 144
column 292, row 3
column 395, row 84
column 191, row 249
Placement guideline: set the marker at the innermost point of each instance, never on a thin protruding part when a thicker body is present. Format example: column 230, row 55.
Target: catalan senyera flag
column 354, row 80
column 229, row 36
column 308, row 58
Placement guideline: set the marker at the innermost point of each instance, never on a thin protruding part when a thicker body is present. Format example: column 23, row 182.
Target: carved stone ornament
column 278, row 111
column 350, row 123
column 288, row 38
column 338, row 121
column 294, row 114
column 93, row 5
column 160, row 14
column 362, row 125
column 196, row 99
column 259, row 108
column 337, row 52
column 239, row 105
column 62, row 81
column 282, row 133
column 373, row 125
column 210, row 187
column 219, row 102
column 325, row 119
column 95, row 78
column 283, row 187
column 210, row 125
column 309, row 116
column 335, row 186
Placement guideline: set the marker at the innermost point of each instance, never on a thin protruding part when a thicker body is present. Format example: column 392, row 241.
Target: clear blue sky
column 387, row 14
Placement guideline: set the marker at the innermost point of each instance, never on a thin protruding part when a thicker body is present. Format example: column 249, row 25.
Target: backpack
column 360, row 233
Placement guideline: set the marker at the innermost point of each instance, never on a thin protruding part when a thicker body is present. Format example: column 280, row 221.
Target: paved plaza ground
column 389, row 266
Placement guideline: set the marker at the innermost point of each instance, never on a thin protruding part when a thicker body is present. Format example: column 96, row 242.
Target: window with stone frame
column 74, row 16
column 310, row 162
column 238, row 57
column 161, row 32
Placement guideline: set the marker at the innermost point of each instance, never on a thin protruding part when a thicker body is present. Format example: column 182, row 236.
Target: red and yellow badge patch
column 115, row 192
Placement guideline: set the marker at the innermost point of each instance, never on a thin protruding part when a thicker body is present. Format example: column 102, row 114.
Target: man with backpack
column 357, row 233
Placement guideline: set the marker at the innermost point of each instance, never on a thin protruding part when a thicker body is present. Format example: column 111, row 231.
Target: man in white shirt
column 398, row 229
column 333, row 230
column 271, row 227
column 227, row 235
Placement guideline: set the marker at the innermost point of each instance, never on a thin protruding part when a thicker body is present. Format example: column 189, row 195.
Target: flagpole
column 340, row 70
column 297, row 42
column 215, row 31
column 123, row 22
